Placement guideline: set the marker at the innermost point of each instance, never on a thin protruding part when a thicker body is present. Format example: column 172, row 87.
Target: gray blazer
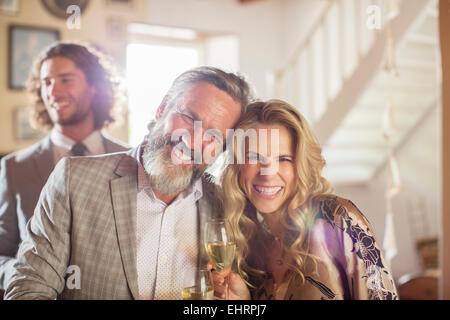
column 86, row 217
column 22, row 177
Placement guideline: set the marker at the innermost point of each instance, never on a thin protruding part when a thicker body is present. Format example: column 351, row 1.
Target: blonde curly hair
column 297, row 213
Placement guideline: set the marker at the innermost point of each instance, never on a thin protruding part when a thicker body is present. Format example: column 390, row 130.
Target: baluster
column 364, row 29
column 326, row 63
column 350, row 37
column 305, row 93
column 341, row 45
column 335, row 74
column 359, row 28
column 310, row 68
column 318, row 56
column 296, row 83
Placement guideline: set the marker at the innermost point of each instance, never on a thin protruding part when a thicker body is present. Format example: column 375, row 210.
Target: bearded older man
column 129, row 224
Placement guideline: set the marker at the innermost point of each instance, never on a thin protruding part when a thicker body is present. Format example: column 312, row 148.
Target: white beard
column 164, row 176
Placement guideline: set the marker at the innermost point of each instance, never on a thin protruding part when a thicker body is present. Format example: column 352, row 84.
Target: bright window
column 151, row 70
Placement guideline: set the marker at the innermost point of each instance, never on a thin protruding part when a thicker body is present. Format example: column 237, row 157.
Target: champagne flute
column 197, row 285
column 220, row 246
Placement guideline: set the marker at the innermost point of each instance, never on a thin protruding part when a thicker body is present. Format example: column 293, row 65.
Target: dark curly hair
column 99, row 72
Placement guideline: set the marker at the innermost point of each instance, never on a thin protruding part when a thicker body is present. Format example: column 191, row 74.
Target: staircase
column 336, row 78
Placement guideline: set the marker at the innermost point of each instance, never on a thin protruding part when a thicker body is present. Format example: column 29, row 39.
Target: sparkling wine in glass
column 220, row 246
column 197, row 285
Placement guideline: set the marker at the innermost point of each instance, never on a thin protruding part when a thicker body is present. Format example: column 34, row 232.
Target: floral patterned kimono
column 353, row 268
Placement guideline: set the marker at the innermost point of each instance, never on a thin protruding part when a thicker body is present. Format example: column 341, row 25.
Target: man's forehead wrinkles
column 59, row 75
column 209, row 120
column 208, row 104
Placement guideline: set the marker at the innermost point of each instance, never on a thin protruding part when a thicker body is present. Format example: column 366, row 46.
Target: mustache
column 164, row 175
column 157, row 143
column 160, row 142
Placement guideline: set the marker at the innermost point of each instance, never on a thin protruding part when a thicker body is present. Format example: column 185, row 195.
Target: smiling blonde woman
column 295, row 238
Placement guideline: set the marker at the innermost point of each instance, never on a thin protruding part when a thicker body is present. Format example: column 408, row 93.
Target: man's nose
column 54, row 89
column 190, row 139
column 195, row 139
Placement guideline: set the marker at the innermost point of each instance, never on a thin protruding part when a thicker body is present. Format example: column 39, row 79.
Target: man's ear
column 92, row 90
column 162, row 107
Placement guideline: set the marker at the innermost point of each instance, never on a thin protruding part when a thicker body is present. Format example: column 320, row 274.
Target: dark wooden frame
column 55, row 10
column 11, row 13
column 14, row 47
column 120, row 3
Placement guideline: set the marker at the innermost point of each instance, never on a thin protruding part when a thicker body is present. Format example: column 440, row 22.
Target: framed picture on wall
column 25, row 43
column 120, row 3
column 22, row 128
column 58, row 8
column 10, row 7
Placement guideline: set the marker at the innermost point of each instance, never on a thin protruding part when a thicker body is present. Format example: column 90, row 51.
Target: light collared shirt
column 62, row 144
column 166, row 240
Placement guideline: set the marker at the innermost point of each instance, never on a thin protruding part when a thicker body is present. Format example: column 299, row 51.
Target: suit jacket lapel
column 110, row 146
column 124, row 198
column 107, row 145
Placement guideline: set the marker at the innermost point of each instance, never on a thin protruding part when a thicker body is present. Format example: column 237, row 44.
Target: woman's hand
column 237, row 288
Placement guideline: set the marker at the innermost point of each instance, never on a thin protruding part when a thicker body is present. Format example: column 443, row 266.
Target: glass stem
column 227, row 289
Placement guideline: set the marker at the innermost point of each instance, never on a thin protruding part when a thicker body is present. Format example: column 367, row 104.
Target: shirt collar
column 60, row 140
column 93, row 142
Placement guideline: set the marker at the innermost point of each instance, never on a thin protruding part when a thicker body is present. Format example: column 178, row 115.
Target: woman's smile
column 268, row 192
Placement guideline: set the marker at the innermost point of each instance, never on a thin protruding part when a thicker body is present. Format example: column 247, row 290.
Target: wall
column 93, row 28
column 257, row 25
column 299, row 18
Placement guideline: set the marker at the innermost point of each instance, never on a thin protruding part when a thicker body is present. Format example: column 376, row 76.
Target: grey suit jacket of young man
column 22, row 177
column 86, row 217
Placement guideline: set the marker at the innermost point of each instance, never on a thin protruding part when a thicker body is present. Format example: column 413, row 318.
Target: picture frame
column 25, row 43
column 9, row 7
column 120, row 3
column 58, row 8
column 22, row 127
